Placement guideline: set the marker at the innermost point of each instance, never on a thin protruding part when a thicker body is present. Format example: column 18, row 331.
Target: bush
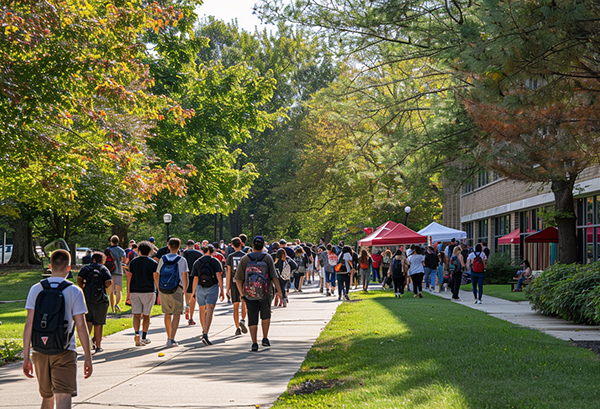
column 570, row 292
column 499, row 269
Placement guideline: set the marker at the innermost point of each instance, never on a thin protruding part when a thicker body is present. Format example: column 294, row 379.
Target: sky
column 228, row 10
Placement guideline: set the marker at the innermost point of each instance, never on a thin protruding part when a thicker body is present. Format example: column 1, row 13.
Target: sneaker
column 328, row 294
column 456, row 299
column 396, row 295
column 420, row 295
column 117, row 308
column 300, row 290
column 416, row 296
column 169, row 342
column 254, row 347
column 320, row 290
column 205, row 339
column 346, row 297
column 238, row 331
column 478, row 301
column 339, row 298
column 98, row 349
column 174, row 343
column 146, row 341
column 265, row 342
column 243, row 326
column 191, row 322
column 138, row 343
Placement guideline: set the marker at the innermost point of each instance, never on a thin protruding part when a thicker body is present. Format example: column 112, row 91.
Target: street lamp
column 407, row 210
column 252, row 225
column 167, row 219
column 216, row 213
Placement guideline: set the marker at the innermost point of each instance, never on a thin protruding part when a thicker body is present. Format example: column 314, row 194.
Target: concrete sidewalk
column 520, row 313
column 193, row 375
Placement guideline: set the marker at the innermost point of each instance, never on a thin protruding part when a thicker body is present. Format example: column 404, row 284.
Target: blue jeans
column 440, row 274
column 520, row 282
column 330, row 277
column 477, row 280
column 429, row 273
column 343, row 284
column 375, row 273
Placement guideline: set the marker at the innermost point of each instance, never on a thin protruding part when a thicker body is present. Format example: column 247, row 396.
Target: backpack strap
column 64, row 285
column 45, row 284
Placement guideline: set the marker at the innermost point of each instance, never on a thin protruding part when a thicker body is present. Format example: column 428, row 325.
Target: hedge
column 499, row 269
column 570, row 292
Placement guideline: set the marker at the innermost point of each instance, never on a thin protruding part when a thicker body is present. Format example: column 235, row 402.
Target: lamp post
column 407, row 210
column 216, row 213
column 252, row 225
column 167, row 218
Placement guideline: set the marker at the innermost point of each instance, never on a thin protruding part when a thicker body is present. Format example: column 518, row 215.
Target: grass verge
column 15, row 285
column 385, row 352
column 498, row 290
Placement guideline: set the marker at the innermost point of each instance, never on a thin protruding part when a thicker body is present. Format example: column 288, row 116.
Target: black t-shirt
column 142, row 275
column 88, row 269
column 161, row 252
column 431, row 261
column 87, row 259
column 214, row 264
column 290, row 253
column 191, row 255
column 234, row 260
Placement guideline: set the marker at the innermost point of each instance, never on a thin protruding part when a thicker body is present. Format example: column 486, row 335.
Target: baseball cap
column 259, row 240
column 151, row 239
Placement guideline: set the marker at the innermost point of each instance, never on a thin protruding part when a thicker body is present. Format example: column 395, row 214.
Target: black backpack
column 50, row 332
column 206, row 275
column 94, row 287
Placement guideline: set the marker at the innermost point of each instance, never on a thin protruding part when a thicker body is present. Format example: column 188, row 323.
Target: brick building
column 491, row 207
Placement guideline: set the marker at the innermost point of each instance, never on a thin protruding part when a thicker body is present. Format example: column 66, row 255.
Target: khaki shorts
column 172, row 303
column 141, row 303
column 56, row 373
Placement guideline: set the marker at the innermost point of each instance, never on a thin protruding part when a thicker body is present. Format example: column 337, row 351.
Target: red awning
column 399, row 235
column 548, row 235
column 510, row 238
column 380, row 231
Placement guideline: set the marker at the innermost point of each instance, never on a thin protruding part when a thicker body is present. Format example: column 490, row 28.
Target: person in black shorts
column 233, row 260
column 262, row 306
column 191, row 255
column 97, row 305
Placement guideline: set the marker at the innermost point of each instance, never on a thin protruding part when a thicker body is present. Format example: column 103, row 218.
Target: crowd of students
column 253, row 278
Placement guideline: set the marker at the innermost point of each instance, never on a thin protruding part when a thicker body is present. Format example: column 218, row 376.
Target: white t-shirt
column 472, row 258
column 183, row 265
column 74, row 302
column 415, row 262
column 348, row 258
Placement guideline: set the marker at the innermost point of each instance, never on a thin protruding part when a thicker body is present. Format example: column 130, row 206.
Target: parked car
column 7, row 253
column 80, row 252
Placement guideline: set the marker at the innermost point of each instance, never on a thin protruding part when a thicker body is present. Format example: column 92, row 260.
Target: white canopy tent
column 437, row 232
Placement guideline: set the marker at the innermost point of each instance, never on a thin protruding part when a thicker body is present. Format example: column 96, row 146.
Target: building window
column 483, row 231
column 468, row 228
column 467, row 187
column 501, row 228
column 588, row 229
column 482, row 178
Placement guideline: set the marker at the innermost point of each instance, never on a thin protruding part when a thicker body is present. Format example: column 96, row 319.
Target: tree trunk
column 235, row 223
column 23, row 250
column 328, row 235
column 564, row 205
column 121, row 229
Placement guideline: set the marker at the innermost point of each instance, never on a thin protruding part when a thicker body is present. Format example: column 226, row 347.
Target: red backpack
column 478, row 266
column 110, row 260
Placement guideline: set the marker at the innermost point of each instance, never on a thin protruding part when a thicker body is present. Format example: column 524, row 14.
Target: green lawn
column 384, row 352
column 498, row 290
column 16, row 285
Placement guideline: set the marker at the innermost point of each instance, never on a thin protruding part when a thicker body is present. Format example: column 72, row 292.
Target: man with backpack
column 207, row 286
column 476, row 261
column 55, row 356
column 172, row 279
column 254, row 278
column 115, row 258
column 93, row 279
column 233, row 262
column 191, row 255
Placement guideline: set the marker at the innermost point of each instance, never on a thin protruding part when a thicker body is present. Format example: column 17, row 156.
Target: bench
column 514, row 283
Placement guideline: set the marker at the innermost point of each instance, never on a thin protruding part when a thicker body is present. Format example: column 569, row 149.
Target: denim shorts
column 330, row 277
column 207, row 295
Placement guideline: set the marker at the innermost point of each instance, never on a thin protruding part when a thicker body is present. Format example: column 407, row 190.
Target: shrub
column 570, row 292
column 9, row 351
column 499, row 269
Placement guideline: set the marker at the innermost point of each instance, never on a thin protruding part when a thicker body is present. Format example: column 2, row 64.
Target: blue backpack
column 169, row 279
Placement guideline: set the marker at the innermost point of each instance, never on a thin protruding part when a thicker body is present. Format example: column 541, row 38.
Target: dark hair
column 211, row 248
column 346, row 249
column 236, row 242
column 174, row 243
column 280, row 252
column 144, row 248
column 478, row 248
column 364, row 256
column 114, row 239
column 526, row 262
column 60, row 259
column 190, row 242
column 243, row 238
column 134, row 246
column 98, row 257
column 417, row 250
column 329, row 246
column 204, row 249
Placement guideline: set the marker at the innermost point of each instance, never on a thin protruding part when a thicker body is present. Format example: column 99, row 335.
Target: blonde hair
column 456, row 251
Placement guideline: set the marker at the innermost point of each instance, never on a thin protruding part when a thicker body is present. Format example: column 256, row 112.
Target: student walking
column 54, row 350
column 345, row 270
column 284, row 267
column 144, row 281
column 365, row 264
column 93, row 279
column 115, row 258
column 301, row 261
column 191, row 255
column 172, row 279
column 397, row 273
column 233, row 261
column 477, row 262
column 455, row 267
column 415, row 263
column 254, row 278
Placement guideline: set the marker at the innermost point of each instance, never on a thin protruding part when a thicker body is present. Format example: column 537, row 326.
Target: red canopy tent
column 510, row 238
column 380, row 231
column 547, row 235
column 399, row 235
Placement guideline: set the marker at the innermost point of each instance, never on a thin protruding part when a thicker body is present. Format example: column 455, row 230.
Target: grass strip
column 384, row 352
column 497, row 290
column 15, row 285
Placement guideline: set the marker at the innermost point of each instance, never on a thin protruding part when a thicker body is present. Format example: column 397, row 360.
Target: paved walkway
column 193, row 375
column 520, row 313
